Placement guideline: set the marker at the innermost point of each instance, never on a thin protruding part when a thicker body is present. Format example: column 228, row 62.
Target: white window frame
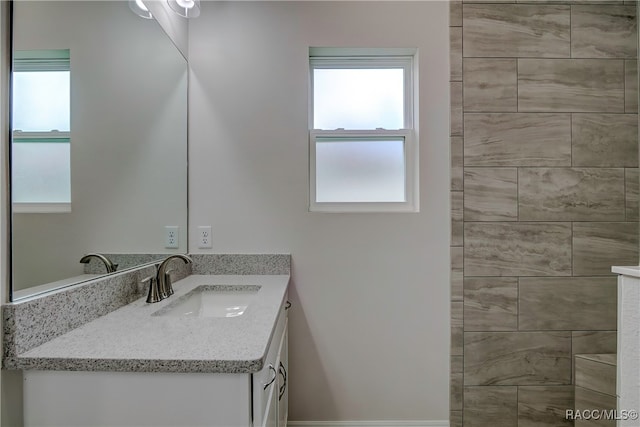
column 43, row 60
column 408, row 133
column 51, row 137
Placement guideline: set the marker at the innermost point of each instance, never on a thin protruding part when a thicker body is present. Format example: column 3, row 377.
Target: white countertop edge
column 631, row 271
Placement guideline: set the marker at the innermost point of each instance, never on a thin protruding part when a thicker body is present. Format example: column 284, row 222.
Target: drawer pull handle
column 283, row 387
column 275, row 375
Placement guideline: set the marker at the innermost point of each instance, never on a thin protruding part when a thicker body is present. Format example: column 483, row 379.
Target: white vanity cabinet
column 79, row 398
column 283, row 385
column 269, row 385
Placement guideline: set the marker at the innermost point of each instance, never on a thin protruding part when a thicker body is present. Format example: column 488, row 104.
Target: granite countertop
column 133, row 339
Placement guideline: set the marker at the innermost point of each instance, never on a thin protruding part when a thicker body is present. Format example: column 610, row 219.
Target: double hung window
column 363, row 152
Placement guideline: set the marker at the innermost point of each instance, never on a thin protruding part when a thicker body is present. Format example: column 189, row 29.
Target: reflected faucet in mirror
column 109, row 265
column 160, row 286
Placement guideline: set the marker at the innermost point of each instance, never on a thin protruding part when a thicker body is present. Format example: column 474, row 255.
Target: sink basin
column 212, row 301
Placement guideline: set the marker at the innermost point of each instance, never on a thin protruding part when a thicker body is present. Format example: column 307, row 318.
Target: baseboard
column 439, row 423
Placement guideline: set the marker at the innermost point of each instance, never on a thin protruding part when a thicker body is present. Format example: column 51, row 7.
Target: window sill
column 21, row 207
column 374, row 207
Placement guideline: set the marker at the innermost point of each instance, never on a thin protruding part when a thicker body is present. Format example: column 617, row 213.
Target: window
column 363, row 151
column 40, row 150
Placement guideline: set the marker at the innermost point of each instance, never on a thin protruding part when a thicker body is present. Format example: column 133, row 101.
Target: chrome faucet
column 110, row 266
column 160, row 286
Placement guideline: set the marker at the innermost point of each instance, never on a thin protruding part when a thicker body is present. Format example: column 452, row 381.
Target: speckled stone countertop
column 133, row 339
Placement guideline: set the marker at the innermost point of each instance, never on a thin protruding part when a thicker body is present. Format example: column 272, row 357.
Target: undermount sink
column 212, row 301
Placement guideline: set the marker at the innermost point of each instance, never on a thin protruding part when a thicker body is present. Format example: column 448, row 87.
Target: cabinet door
column 271, row 415
column 283, row 380
column 265, row 382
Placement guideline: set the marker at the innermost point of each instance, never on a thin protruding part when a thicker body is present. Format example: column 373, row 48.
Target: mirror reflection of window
column 41, row 167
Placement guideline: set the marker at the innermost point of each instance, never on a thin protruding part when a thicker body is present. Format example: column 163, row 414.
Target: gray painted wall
column 369, row 335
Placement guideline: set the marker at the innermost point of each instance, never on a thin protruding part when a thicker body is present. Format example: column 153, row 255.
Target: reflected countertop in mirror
column 126, row 142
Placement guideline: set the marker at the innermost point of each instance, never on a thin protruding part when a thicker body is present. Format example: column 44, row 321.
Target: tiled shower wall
column 544, row 196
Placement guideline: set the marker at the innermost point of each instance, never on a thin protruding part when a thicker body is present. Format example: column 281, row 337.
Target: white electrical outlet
column 204, row 237
column 171, row 237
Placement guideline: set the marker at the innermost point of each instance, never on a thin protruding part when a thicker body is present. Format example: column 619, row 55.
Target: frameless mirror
column 99, row 141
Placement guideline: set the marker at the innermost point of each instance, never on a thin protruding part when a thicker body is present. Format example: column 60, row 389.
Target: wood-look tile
column 457, row 258
column 603, row 31
column 593, row 342
column 585, row 342
column 599, row 245
column 490, row 304
column 455, row 13
column 631, row 184
column 457, row 150
column 491, row 194
column 455, row 419
column 544, row 406
column 457, row 280
column 517, row 140
column 631, row 86
column 571, row 85
column 490, row 85
column 456, row 364
column 455, row 392
column 517, row 249
column 455, row 54
column 587, row 400
column 540, row 31
column 571, row 194
column 457, row 227
column 457, row 206
column 457, row 328
column 456, row 109
column 543, row 303
column 457, row 233
column 605, row 140
column 517, row 358
column 595, row 376
column 490, row 406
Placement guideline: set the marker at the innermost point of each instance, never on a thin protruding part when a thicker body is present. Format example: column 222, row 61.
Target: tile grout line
column 462, row 166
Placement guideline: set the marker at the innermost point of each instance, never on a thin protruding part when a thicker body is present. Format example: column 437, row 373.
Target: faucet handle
column 168, row 287
column 154, row 293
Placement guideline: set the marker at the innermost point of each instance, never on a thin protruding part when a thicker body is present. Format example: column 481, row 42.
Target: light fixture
column 185, row 8
column 140, row 9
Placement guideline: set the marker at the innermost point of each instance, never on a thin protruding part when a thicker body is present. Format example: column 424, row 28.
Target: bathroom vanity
column 168, row 363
